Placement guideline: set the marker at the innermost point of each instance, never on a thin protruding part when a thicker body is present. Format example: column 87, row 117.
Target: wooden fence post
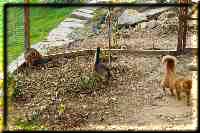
column 182, row 29
column 109, row 33
column 26, row 26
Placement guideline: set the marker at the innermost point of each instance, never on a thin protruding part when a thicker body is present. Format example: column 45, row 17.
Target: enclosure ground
column 51, row 95
column 132, row 98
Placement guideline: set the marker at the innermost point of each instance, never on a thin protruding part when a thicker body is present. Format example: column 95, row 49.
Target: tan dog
column 170, row 81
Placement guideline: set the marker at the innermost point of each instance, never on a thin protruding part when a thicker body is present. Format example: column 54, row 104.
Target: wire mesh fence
column 15, row 33
column 39, row 27
column 65, row 91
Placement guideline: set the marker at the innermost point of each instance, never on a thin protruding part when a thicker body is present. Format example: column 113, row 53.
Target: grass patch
column 28, row 125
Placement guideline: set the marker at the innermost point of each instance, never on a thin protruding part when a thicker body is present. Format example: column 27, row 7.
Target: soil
column 132, row 99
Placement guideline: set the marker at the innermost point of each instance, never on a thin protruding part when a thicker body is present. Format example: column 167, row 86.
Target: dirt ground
column 132, row 100
column 133, row 97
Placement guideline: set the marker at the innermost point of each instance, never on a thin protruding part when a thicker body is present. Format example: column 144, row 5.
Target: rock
column 116, row 12
column 130, row 17
column 75, row 20
column 156, row 11
column 56, row 37
column 168, row 14
column 98, row 1
column 59, row 31
column 82, row 15
column 88, row 11
column 148, row 25
column 146, row 1
column 70, row 25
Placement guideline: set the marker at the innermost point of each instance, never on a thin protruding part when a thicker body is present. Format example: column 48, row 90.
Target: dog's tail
column 170, row 62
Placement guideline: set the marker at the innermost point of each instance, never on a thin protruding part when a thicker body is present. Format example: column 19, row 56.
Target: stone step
column 86, row 11
column 61, row 30
column 56, row 38
column 98, row 1
column 90, row 8
column 82, row 15
column 75, row 20
column 71, row 25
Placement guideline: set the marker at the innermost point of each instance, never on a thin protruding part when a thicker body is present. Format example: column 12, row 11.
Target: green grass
column 42, row 20
column 29, row 125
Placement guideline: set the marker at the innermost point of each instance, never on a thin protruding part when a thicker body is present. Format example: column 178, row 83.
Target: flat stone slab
column 61, row 31
column 98, row 1
column 63, row 34
column 71, row 25
column 57, row 43
column 82, row 15
column 90, row 8
column 88, row 11
column 155, row 11
column 75, row 20
column 56, row 38
column 130, row 17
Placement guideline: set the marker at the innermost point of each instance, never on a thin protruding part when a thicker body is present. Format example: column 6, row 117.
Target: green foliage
column 104, row 56
column 35, row 116
column 115, row 46
column 14, row 86
column 28, row 125
column 1, row 102
column 61, row 108
column 89, row 81
column 31, row 122
column 10, row 80
column 65, row 1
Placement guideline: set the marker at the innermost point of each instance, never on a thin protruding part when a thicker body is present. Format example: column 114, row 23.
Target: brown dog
column 170, row 81
column 32, row 55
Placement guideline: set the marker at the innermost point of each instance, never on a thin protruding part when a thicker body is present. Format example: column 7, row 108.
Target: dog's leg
column 172, row 92
column 163, row 87
column 188, row 98
column 178, row 94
